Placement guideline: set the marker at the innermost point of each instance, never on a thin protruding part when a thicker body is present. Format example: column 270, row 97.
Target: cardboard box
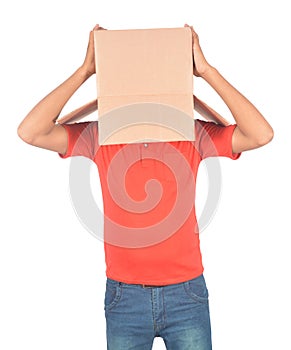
column 144, row 85
column 140, row 72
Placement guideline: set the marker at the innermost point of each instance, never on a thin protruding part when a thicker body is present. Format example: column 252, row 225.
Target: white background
column 52, row 270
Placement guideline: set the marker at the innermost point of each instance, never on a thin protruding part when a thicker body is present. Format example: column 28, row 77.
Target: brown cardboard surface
column 151, row 71
column 208, row 113
column 200, row 107
column 129, row 90
column 79, row 113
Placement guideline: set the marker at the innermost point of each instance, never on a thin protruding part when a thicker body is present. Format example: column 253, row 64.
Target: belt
column 149, row 286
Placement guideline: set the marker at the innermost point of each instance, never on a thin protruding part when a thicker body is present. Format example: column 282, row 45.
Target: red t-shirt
column 150, row 228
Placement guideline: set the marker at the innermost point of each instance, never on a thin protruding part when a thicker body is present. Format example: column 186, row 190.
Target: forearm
column 41, row 119
column 248, row 119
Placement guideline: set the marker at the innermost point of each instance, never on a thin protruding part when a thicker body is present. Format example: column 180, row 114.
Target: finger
column 193, row 31
column 191, row 28
column 97, row 27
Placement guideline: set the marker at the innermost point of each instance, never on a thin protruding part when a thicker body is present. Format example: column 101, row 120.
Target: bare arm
column 252, row 129
column 39, row 127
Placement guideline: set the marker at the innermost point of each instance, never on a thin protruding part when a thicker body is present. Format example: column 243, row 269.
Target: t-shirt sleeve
column 82, row 139
column 213, row 140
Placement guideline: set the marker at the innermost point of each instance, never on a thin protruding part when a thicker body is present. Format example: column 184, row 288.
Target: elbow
column 265, row 137
column 25, row 135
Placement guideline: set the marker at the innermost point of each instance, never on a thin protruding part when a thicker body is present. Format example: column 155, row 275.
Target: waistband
column 115, row 282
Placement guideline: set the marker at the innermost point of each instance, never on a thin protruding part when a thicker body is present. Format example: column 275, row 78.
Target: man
column 157, row 288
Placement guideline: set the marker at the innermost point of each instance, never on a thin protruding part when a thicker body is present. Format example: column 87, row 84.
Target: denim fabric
column 178, row 313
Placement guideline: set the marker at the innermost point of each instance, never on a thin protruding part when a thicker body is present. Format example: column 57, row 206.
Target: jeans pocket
column 112, row 294
column 196, row 289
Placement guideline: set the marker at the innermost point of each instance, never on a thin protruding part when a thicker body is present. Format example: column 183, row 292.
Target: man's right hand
column 89, row 63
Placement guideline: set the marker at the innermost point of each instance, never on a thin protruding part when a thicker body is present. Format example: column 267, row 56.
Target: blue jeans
column 178, row 313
